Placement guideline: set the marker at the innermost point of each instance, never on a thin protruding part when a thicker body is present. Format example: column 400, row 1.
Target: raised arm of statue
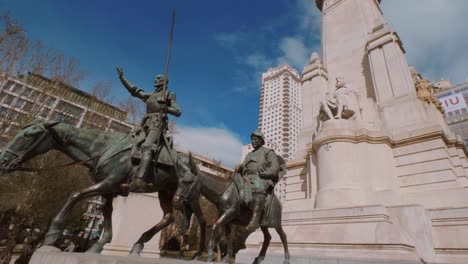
column 134, row 91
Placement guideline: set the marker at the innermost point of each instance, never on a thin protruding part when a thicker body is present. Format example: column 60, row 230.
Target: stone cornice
column 296, row 163
column 379, row 137
column 382, row 36
column 313, row 70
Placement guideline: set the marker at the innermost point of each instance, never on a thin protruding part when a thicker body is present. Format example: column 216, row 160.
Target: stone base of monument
column 55, row 256
column 132, row 216
column 394, row 234
column 52, row 255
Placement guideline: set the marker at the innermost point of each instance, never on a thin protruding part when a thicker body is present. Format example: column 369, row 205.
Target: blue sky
column 220, row 49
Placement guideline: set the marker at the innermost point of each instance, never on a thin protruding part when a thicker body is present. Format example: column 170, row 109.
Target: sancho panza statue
column 154, row 123
column 260, row 169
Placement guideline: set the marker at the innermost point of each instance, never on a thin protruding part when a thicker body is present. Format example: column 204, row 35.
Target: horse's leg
column 57, row 223
column 230, row 249
column 106, row 236
column 284, row 241
column 195, row 206
column 165, row 200
column 266, row 243
column 226, row 217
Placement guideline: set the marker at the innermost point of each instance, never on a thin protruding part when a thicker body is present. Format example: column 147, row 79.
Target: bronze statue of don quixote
column 144, row 161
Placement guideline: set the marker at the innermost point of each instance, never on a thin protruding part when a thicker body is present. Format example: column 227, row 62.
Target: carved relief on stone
column 424, row 90
column 342, row 103
column 441, row 85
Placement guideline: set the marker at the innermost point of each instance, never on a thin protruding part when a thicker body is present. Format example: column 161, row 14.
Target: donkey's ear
column 49, row 124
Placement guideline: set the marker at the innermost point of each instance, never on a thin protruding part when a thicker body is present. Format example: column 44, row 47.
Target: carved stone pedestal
column 132, row 216
column 395, row 233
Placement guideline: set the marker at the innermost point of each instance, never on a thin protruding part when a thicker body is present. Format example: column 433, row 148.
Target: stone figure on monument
column 424, row 90
column 342, row 103
column 154, row 124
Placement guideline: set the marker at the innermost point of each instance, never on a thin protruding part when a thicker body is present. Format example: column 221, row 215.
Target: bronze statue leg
column 284, row 241
column 56, row 225
column 195, row 206
column 225, row 217
column 230, row 248
column 147, row 149
column 166, row 206
column 265, row 245
column 106, row 236
column 258, row 203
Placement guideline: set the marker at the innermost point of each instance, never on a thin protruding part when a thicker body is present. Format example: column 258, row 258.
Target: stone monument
column 390, row 183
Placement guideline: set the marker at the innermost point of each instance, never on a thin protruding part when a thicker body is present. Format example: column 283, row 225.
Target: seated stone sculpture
column 341, row 103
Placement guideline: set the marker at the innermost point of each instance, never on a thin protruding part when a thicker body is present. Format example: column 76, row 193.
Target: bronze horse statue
column 224, row 194
column 107, row 155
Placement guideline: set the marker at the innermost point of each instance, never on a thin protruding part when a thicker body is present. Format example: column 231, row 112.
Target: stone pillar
column 132, row 216
column 314, row 86
column 390, row 71
column 345, row 28
column 354, row 166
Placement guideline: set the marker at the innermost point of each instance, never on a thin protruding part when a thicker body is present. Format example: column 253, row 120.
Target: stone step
column 57, row 257
column 278, row 259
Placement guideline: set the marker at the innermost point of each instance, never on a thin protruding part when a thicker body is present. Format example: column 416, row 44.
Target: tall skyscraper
column 280, row 117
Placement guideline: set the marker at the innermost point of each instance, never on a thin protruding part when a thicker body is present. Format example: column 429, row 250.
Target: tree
column 19, row 54
column 13, row 44
column 39, row 195
column 134, row 109
column 36, row 195
column 101, row 91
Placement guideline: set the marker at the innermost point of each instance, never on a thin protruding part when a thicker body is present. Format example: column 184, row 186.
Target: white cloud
column 211, row 142
column 309, row 16
column 294, row 52
column 258, row 61
column 434, row 35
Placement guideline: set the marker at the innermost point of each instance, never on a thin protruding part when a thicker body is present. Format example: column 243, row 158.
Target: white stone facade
column 280, row 117
column 390, row 185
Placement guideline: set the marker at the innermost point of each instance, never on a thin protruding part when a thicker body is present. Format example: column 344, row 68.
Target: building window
column 8, row 99
column 51, row 101
column 9, row 85
column 44, row 112
column 3, row 112
column 69, row 109
column 19, row 104
column 28, row 106
column 64, row 118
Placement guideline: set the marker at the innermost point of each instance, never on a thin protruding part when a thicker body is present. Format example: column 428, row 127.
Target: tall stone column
column 354, row 164
column 345, row 28
column 314, row 86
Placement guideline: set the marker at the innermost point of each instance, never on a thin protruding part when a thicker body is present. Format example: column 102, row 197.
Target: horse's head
column 442, row 85
column 187, row 186
column 185, row 190
column 32, row 140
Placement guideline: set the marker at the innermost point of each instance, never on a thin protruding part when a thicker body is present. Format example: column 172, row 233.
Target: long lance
column 168, row 53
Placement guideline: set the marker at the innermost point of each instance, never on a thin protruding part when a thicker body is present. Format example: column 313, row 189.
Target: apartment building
column 280, row 116
column 33, row 96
